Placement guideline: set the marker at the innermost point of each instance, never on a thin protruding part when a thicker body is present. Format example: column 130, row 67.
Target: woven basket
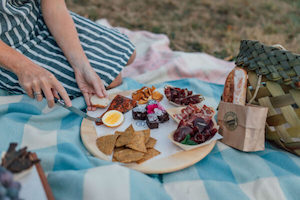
column 274, row 82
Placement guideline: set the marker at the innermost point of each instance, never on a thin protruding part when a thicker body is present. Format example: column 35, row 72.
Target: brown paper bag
column 242, row 127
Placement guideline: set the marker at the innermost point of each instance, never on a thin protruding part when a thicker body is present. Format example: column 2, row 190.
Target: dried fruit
column 182, row 132
column 157, row 96
column 145, row 94
column 182, row 96
column 194, row 130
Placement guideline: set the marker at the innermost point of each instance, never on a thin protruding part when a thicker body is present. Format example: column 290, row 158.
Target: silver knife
column 73, row 109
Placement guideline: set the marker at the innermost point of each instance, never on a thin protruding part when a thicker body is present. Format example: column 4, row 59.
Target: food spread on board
column 196, row 124
column 99, row 102
column 120, row 103
column 182, row 96
column 145, row 94
column 153, row 113
column 128, row 146
column 113, row 118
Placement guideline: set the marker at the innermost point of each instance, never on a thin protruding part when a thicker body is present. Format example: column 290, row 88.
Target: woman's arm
column 62, row 27
column 32, row 77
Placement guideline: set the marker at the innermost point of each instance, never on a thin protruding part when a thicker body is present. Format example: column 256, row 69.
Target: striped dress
column 22, row 27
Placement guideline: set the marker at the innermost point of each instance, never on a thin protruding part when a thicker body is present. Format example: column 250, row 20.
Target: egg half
column 113, row 118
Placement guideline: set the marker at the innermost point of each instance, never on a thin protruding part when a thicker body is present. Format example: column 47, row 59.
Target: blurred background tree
column 212, row 26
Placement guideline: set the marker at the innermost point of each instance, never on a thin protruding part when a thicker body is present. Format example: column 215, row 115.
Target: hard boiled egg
column 113, row 118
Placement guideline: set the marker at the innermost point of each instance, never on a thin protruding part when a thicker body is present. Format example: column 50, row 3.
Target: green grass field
column 212, row 26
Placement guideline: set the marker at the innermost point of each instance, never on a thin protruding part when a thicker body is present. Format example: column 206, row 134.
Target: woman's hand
column 37, row 81
column 89, row 83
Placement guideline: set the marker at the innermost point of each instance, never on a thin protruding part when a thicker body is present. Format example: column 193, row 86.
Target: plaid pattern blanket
column 74, row 174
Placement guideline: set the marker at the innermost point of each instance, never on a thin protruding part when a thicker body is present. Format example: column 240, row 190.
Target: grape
column 15, row 185
column 12, row 193
column 198, row 138
column 6, row 178
column 2, row 170
column 200, row 124
column 9, row 189
column 2, row 191
column 182, row 132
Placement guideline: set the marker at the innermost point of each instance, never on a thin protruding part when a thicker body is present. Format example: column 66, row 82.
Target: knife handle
column 59, row 101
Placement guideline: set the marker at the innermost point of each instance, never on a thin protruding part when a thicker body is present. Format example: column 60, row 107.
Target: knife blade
column 75, row 110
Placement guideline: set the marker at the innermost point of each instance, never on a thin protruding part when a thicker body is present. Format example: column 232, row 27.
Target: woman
column 46, row 51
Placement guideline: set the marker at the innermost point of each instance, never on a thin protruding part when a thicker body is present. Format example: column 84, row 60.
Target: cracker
column 107, row 143
column 150, row 154
column 119, row 133
column 146, row 133
column 137, row 142
column 125, row 137
column 119, row 149
column 151, row 143
column 128, row 155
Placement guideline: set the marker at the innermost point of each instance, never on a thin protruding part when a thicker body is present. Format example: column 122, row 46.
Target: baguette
column 236, row 87
column 99, row 102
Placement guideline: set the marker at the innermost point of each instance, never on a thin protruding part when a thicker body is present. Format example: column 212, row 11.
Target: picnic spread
column 162, row 90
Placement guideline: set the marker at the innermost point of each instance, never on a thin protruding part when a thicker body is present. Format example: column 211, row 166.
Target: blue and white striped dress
column 22, row 27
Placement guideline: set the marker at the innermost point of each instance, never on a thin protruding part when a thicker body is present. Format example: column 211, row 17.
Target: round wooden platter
column 175, row 162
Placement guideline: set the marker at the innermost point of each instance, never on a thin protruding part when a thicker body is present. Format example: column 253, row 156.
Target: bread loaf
column 99, row 102
column 235, row 87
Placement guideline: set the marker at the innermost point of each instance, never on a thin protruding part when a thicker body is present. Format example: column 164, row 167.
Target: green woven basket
column 274, row 82
column 275, row 64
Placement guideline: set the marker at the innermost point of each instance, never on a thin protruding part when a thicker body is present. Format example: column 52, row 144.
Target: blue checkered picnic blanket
column 73, row 173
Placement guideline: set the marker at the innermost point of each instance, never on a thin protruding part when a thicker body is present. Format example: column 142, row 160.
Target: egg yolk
column 113, row 118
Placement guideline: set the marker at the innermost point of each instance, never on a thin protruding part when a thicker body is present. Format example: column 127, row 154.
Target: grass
column 212, row 26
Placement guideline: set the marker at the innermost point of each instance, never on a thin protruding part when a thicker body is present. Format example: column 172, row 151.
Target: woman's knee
column 118, row 81
column 131, row 59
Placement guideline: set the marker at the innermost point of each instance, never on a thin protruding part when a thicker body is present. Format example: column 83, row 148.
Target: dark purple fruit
column 182, row 132
column 210, row 125
column 213, row 131
column 199, row 124
column 6, row 178
column 199, row 138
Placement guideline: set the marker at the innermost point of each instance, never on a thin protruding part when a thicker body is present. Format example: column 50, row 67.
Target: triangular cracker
column 146, row 133
column 138, row 142
column 128, row 155
column 107, row 143
column 151, row 143
column 125, row 137
column 150, row 154
column 119, row 149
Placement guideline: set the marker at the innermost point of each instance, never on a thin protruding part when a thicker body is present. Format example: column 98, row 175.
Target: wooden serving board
column 174, row 162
